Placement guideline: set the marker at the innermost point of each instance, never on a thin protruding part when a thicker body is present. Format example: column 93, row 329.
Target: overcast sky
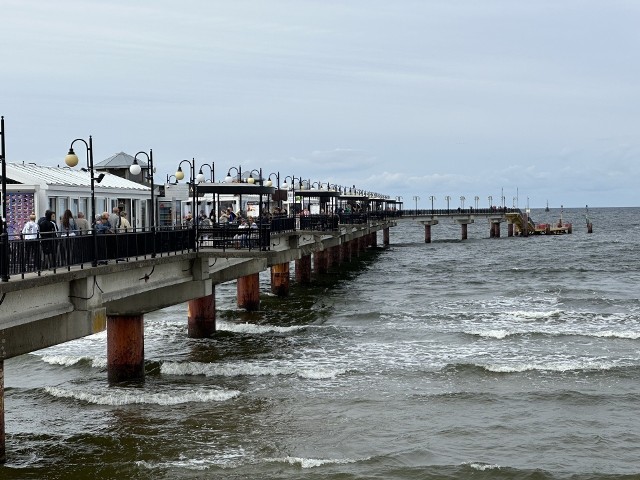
column 406, row 98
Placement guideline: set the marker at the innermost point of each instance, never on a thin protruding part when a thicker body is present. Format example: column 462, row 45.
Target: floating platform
column 532, row 228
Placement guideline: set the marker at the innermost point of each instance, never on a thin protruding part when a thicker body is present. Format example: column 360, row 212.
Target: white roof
column 30, row 174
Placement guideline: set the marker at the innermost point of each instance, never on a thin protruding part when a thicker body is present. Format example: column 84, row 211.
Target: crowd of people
column 68, row 225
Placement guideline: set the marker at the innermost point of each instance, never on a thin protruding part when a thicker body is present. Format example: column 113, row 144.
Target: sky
column 534, row 101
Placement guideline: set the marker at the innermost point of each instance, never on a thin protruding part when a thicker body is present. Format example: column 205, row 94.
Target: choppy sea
column 509, row 358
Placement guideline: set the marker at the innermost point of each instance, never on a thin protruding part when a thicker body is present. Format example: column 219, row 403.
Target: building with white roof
column 34, row 188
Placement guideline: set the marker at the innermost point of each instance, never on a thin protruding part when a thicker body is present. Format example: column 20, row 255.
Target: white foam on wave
column 631, row 335
column 252, row 328
column 247, row 369
column 534, row 314
column 122, row 396
column 482, row 466
column 565, row 366
column 499, row 334
column 70, row 360
column 222, row 460
column 311, row 462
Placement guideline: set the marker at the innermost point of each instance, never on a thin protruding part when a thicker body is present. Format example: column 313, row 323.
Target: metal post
column 4, row 275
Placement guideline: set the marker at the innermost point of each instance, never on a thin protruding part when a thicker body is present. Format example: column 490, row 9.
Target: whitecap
column 122, row 396
column 499, row 334
column 252, row 328
column 482, row 466
column 312, row 462
column 242, row 369
column 63, row 360
column 611, row 334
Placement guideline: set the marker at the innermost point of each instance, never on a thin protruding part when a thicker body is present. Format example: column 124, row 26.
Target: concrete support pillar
column 492, row 230
column 3, row 451
column 320, row 261
column 249, row 292
column 525, row 224
column 346, row 251
column 125, row 347
column 496, row 228
column 510, row 230
column 201, row 316
column 427, row 233
column 303, row 269
column 280, row 279
column 385, row 237
column 464, row 230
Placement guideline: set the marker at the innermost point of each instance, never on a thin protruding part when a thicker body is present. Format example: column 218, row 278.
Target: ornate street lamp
column 448, row 199
column 462, row 199
column 416, row 198
column 72, row 160
column 432, row 198
column 135, row 169
column 477, row 199
column 169, row 177
column 194, row 189
column 200, row 177
column 490, row 202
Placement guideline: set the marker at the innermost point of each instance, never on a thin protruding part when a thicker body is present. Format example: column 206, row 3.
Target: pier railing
column 20, row 256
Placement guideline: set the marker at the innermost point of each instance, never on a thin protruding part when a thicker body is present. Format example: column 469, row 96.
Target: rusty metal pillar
column 374, row 240
column 303, row 269
column 510, row 230
column 249, row 292
column 492, row 230
column 589, row 227
column 335, row 254
column 125, row 347
column 3, row 451
column 201, row 315
column 280, row 279
column 355, row 247
column 346, row 252
column 464, row 228
column 320, row 264
column 385, row 237
column 427, row 233
column 525, row 224
column 496, row 228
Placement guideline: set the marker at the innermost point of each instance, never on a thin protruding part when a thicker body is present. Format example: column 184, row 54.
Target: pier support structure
column 427, row 229
column 3, row 451
column 464, row 223
column 346, row 251
column 201, row 315
column 320, row 261
column 280, row 279
column 249, row 292
column 303, row 269
column 510, row 229
column 125, row 348
column 385, row 237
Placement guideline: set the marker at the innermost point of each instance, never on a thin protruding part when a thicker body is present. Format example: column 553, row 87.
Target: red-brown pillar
column 280, row 279
column 249, row 292
column 3, row 451
column 496, row 228
column 201, row 316
column 303, row 269
column 464, row 228
column 427, row 233
column 525, row 223
column 385, row 237
column 346, row 252
column 355, row 247
column 320, row 264
column 589, row 227
column 125, row 347
column 510, row 230
column 492, row 230
column 335, row 254
column 374, row 240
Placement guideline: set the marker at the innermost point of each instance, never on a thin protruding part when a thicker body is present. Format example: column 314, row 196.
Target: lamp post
column 462, row 199
column 490, row 202
column 4, row 275
column 194, row 189
column 230, row 179
column 416, row 198
column 476, row 198
column 432, row 198
column 200, row 177
column 448, row 199
column 135, row 169
column 169, row 177
column 72, row 160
